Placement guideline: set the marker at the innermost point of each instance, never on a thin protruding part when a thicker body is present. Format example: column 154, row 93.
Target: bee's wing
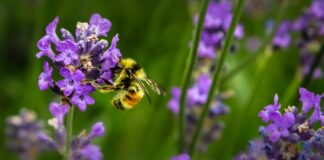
column 143, row 87
column 155, row 86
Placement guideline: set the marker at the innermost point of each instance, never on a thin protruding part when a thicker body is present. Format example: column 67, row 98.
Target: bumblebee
column 130, row 79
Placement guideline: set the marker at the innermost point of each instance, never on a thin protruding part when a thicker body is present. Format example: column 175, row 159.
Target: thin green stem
column 313, row 67
column 69, row 129
column 227, row 44
column 188, row 71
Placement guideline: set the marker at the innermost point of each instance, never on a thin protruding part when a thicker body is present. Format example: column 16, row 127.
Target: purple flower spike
column 45, row 78
column 90, row 152
column 100, row 25
column 68, row 52
column 81, row 98
column 97, row 130
column 51, row 30
column 183, row 156
column 71, row 81
column 59, row 111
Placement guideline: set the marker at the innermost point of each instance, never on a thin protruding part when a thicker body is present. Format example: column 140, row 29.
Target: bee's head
column 117, row 70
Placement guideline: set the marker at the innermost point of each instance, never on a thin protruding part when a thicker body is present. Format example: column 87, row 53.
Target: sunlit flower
column 80, row 59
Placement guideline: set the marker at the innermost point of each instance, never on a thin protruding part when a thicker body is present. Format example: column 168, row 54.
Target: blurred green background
column 156, row 34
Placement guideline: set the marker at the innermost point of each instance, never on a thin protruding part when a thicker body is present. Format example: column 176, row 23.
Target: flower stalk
column 69, row 128
column 224, row 51
column 188, row 70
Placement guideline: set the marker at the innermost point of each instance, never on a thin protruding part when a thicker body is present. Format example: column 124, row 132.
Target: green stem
column 313, row 67
column 69, row 129
column 227, row 44
column 188, row 71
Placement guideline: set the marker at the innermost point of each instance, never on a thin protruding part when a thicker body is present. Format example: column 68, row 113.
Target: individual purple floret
column 45, row 78
column 22, row 135
column 183, row 156
column 217, row 22
column 292, row 134
column 80, row 59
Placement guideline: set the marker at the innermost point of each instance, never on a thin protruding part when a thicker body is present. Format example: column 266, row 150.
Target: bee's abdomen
column 127, row 99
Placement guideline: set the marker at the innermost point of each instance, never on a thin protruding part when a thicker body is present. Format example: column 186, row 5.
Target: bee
column 130, row 80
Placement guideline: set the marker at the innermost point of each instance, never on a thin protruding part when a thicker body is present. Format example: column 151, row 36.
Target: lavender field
column 161, row 80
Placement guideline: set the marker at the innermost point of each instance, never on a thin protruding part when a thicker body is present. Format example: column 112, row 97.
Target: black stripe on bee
column 135, row 68
column 129, row 97
column 118, row 104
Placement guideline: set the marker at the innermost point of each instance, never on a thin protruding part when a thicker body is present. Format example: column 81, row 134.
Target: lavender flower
column 81, row 59
column 217, row 21
column 287, row 131
column 22, row 131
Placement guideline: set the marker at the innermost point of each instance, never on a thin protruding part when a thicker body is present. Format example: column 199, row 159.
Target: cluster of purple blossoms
column 292, row 134
column 80, row 59
column 217, row 21
column 81, row 146
column 22, row 132
column 309, row 28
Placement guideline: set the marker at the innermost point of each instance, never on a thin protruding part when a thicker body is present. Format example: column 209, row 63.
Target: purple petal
column 273, row 133
column 59, row 111
column 91, row 152
column 68, row 90
column 51, row 29
column 101, row 25
column 316, row 116
column 89, row 100
column 78, row 75
column 287, row 120
column 66, row 73
column 307, row 98
column 97, row 130
column 44, row 45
